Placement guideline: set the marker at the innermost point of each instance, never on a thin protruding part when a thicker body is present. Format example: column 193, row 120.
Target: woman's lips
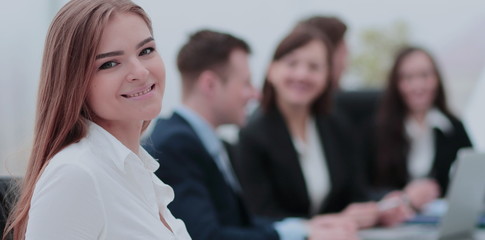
column 140, row 93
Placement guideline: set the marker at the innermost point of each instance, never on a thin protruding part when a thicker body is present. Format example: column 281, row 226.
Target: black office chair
column 358, row 106
column 8, row 195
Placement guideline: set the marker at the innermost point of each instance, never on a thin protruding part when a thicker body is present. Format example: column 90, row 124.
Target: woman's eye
column 314, row 67
column 146, row 51
column 290, row 63
column 426, row 74
column 108, row 65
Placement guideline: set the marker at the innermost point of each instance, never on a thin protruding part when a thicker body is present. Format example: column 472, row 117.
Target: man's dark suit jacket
column 203, row 200
column 270, row 173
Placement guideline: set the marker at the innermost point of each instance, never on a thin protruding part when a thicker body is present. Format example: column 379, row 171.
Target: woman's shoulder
column 65, row 173
column 262, row 127
column 71, row 189
column 77, row 153
column 458, row 129
column 454, row 124
column 455, row 121
column 75, row 160
column 260, row 119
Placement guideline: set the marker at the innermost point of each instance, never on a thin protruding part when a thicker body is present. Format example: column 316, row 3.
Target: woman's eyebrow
column 117, row 53
column 109, row 54
column 139, row 45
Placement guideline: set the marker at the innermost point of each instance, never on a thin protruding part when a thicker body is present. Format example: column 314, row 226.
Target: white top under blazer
column 314, row 166
column 99, row 189
column 422, row 143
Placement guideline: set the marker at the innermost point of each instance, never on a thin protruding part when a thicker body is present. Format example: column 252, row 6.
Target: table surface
column 409, row 232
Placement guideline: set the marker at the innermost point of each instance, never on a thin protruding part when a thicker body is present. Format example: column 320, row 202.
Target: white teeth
column 300, row 86
column 139, row 93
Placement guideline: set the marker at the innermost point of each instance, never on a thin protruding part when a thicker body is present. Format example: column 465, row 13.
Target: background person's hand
column 332, row 227
column 421, row 192
column 365, row 215
column 332, row 234
column 333, row 221
column 394, row 209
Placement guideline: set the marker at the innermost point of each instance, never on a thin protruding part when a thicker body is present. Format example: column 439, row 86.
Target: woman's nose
column 300, row 72
column 137, row 71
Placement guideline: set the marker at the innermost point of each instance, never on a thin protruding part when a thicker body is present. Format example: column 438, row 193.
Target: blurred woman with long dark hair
column 415, row 138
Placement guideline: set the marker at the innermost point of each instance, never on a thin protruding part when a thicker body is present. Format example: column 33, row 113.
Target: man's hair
column 207, row 50
column 332, row 27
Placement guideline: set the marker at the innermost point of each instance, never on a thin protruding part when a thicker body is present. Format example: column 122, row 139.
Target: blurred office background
column 453, row 31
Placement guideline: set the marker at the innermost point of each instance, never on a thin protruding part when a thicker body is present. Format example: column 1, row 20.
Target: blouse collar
column 434, row 119
column 109, row 145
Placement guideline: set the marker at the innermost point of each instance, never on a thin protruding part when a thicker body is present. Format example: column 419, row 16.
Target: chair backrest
column 8, row 194
column 357, row 106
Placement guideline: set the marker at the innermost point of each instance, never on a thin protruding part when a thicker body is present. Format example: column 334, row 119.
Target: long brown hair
column 392, row 143
column 299, row 37
column 62, row 111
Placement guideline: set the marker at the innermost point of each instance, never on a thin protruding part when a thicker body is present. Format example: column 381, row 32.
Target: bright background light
column 451, row 30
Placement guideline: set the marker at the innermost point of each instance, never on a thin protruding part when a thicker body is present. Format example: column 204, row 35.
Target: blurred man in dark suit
column 216, row 88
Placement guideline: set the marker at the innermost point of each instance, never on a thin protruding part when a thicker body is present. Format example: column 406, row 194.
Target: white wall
column 444, row 28
column 474, row 115
column 23, row 25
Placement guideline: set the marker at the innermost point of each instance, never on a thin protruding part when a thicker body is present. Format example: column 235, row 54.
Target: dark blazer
column 270, row 173
column 446, row 149
column 203, row 200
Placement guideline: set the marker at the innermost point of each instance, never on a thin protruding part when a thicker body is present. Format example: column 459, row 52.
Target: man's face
column 235, row 90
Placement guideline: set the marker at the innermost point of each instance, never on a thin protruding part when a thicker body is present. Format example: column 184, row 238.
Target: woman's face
column 417, row 82
column 129, row 76
column 300, row 76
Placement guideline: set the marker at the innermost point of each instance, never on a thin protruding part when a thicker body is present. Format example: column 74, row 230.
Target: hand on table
column 365, row 215
column 421, row 192
column 332, row 227
column 394, row 209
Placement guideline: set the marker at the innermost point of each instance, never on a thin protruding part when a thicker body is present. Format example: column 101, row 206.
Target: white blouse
column 314, row 167
column 422, row 142
column 99, row 189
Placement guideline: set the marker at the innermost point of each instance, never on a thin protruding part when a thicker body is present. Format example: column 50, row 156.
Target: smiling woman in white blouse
column 415, row 138
column 102, row 82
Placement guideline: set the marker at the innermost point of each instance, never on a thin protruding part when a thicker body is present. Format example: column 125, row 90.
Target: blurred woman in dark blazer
column 415, row 138
column 294, row 159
